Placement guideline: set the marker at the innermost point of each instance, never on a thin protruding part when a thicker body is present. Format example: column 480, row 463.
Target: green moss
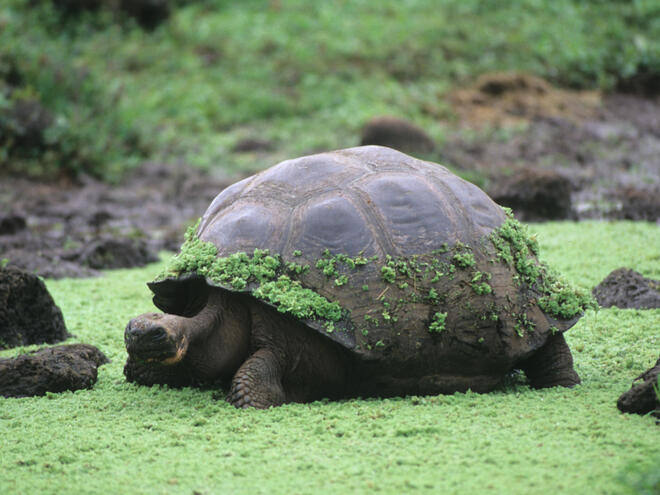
column 329, row 264
column 370, row 319
column 438, row 322
column 296, row 268
column 412, row 277
column 564, row 301
column 290, row 297
column 463, row 260
column 523, row 323
column 262, row 271
column 479, row 283
column 388, row 274
column 517, row 248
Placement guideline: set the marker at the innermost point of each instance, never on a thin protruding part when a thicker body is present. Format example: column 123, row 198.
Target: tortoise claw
column 238, row 396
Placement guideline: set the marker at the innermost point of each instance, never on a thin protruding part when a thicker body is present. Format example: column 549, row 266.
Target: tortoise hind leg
column 551, row 365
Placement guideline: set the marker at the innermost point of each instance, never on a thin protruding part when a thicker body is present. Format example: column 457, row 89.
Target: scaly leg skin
column 258, row 382
column 551, row 365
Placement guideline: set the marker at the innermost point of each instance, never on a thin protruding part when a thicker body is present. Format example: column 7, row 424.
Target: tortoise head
column 164, row 338
column 156, row 337
column 215, row 340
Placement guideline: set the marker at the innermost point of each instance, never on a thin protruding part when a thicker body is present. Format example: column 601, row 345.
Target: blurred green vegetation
column 301, row 75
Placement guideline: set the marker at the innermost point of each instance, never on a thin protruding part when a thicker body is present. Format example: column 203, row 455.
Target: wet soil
column 607, row 146
column 75, row 230
column 595, row 156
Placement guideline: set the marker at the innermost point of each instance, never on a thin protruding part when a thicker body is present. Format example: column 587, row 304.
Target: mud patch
column 54, row 369
column 625, row 288
column 28, row 314
column 606, row 149
column 73, row 230
column 512, row 98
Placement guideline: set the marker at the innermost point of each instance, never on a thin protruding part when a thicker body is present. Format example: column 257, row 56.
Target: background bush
column 302, row 75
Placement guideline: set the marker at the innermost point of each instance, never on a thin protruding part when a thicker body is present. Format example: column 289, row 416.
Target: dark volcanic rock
column 116, row 253
column 147, row 13
column 638, row 204
column 11, row 224
column 252, row 144
column 28, row 314
column 396, row 133
column 23, row 126
column 645, row 81
column 54, row 369
column 642, row 398
column 625, row 288
column 535, row 194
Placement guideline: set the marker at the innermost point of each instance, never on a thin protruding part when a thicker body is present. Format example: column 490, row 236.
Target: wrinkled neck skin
column 218, row 337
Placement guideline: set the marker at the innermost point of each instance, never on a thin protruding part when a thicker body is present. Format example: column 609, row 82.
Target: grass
column 303, row 75
column 124, row 438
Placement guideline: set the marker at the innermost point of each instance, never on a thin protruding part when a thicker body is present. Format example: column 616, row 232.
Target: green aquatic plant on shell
column 263, row 271
column 438, row 322
column 516, row 247
column 328, row 262
column 464, row 260
column 562, row 300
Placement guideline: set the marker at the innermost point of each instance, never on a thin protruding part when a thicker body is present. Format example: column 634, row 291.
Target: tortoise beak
column 146, row 339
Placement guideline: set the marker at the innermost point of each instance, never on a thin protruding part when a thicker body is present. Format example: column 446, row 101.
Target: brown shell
column 373, row 201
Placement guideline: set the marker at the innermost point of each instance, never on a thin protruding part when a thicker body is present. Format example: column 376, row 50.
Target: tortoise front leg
column 258, row 382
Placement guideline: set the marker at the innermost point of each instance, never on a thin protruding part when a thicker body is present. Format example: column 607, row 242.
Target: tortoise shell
column 429, row 284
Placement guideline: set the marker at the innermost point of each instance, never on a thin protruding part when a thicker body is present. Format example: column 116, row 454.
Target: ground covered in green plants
column 123, row 438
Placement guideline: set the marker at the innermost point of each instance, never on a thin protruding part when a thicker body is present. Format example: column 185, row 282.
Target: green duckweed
column 262, row 272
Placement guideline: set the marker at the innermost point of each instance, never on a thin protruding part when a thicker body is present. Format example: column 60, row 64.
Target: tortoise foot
column 552, row 365
column 257, row 383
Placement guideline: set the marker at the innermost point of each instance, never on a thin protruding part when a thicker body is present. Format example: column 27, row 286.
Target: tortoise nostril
column 152, row 334
column 156, row 334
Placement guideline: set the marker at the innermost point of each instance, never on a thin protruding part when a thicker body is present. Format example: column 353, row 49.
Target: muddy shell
column 429, row 284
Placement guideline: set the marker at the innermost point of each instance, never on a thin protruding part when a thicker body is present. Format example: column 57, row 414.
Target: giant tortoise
column 355, row 273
